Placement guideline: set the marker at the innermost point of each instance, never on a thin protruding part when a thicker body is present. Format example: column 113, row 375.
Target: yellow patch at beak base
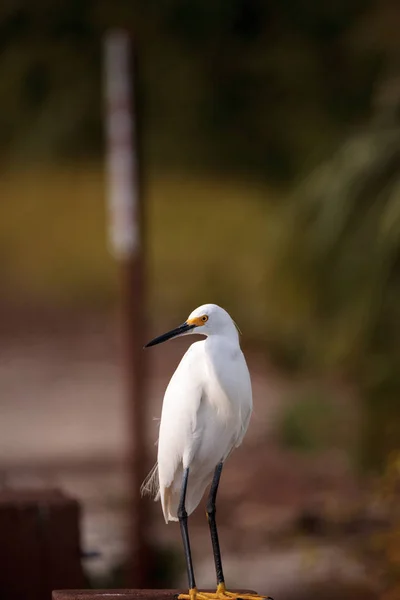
column 197, row 321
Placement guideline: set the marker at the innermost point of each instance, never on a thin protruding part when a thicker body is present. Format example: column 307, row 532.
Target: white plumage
column 206, row 410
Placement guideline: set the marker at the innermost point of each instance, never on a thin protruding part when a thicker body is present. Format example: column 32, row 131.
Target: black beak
column 170, row 334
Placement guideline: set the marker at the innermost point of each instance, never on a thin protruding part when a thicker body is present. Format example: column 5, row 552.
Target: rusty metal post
column 126, row 209
column 40, row 543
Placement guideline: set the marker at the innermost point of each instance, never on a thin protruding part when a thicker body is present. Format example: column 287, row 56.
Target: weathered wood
column 124, row 594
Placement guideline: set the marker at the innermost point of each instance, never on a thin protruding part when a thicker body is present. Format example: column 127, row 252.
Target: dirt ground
column 63, row 423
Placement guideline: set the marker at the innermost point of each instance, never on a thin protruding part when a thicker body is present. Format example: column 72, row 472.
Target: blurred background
column 271, row 154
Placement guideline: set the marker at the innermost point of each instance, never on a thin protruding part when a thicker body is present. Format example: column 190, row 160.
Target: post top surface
column 123, row 594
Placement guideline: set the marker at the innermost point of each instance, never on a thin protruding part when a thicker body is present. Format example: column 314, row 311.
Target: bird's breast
column 226, row 387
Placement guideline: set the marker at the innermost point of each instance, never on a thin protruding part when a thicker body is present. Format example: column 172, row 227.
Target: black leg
column 183, row 518
column 211, row 510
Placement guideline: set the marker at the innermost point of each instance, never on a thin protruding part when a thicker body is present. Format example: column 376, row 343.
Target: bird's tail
column 151, row 486
column 169, row 504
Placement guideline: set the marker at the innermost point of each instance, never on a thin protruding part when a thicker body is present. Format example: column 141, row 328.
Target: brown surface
column 123, row 594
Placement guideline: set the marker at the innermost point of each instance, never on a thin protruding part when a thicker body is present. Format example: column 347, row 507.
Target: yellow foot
column 194, row 594
column 221, row 594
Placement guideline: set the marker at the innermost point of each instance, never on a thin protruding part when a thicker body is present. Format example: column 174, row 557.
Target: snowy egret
column 205, row 415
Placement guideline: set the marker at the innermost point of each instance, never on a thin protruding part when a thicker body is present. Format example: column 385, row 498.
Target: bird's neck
column 230, row 338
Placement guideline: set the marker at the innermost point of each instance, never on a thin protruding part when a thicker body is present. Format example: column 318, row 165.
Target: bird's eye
column 204, row 318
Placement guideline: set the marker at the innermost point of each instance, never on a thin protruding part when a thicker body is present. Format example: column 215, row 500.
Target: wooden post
column 126, row 210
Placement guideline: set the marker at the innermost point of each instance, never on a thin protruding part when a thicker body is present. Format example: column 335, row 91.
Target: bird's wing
column 233, row 375
column 246, row 414
column 178, row 435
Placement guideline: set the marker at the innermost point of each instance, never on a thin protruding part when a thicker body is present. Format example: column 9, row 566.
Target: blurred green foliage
column 248, row 85
column 312, row 422
column 340, row 248
column 220, row 230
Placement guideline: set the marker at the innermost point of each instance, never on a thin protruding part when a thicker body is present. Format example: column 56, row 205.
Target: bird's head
column 208, row 319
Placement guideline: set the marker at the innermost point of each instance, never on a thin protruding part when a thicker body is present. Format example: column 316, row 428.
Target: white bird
column 205, row 415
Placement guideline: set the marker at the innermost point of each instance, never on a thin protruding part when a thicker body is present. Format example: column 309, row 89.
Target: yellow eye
column 204, row 318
